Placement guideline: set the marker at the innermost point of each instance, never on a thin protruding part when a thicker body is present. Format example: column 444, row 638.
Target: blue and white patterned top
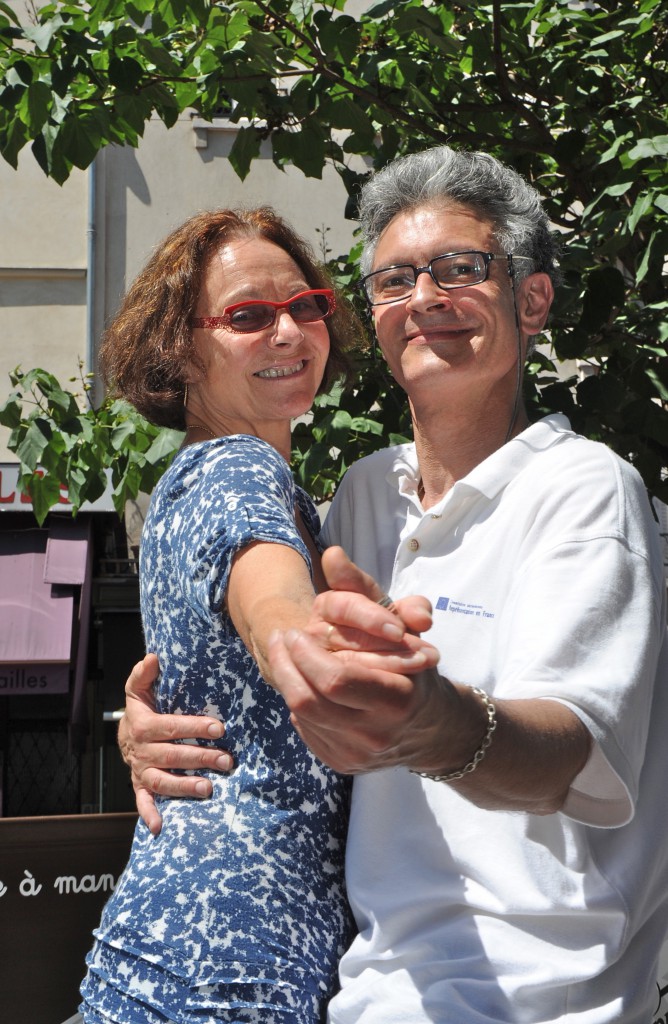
column 237, row 910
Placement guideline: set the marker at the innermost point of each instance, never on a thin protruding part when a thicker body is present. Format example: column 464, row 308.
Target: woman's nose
column 286, row 330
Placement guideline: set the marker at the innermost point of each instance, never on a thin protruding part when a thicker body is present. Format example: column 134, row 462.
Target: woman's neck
column 200, row 427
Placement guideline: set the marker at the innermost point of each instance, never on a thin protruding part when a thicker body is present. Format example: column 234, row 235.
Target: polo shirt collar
column 491, row 475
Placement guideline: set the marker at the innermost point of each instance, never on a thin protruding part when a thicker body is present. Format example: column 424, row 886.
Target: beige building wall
column 67, row 254
column 42, row 273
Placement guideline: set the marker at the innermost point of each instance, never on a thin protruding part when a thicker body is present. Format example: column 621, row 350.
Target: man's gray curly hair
column 441, row 176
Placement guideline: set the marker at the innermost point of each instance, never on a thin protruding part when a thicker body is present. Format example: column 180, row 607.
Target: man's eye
column 462, row 269
column 399, row 279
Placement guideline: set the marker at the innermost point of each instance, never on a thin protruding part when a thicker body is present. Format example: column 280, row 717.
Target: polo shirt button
column 414, row 544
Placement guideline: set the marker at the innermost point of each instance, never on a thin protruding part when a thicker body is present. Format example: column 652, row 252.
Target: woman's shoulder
column 238, row 457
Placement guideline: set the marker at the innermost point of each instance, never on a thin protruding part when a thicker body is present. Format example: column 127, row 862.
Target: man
column 507, row 855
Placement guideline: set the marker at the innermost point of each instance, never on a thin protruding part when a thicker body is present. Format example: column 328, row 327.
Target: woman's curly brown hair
column 148, row 353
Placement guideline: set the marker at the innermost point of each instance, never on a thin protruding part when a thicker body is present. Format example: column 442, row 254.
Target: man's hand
column 369, row 704
column 358, row 716
column 349, row 614
column 359, row 712
column 144, row 735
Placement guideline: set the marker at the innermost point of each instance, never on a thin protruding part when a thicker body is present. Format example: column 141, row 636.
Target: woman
column 237, row 910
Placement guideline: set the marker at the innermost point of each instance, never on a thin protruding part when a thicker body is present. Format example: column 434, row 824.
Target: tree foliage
column 572, row 94
column 57, row 442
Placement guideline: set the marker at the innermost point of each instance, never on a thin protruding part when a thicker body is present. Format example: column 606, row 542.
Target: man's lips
column 281, row 371
column 434, row 332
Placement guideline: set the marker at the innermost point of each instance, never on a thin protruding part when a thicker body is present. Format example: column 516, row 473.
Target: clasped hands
column 359, row 682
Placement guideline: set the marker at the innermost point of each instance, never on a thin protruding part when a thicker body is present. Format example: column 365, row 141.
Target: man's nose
column 426, row 292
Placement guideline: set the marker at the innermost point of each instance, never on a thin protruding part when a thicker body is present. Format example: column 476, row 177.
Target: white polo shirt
column 544, row 570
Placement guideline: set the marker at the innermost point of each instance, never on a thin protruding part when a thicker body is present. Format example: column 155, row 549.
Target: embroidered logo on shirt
column 448, row 604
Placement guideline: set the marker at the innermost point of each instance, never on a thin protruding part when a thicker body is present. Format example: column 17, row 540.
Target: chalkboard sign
column 56, row 873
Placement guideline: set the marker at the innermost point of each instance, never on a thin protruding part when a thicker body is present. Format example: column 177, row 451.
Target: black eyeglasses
column 451, row 270
column 256, row 314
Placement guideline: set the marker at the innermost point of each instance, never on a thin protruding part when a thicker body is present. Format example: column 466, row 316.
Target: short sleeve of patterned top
column 238, row 906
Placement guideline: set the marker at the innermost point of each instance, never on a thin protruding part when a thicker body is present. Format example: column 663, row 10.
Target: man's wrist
column 481, row 750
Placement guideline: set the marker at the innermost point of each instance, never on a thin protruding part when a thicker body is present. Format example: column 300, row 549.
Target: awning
column 40, row 573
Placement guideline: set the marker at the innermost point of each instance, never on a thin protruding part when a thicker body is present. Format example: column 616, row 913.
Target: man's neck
column 450, row 446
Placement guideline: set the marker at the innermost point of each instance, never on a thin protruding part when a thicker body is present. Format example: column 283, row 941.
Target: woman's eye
column 303, row 306
column 247, row 316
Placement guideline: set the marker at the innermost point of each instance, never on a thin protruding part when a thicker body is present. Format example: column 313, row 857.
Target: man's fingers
column 359, row 615
column 342, row 574
column 183, row 786
column 179, row 757
column 148, row 812
column 361, row 622
column 416, row 613
column 141, row 679
column 407, row 661
column 155, row 728
column 352, row 602
column 161, row 783
column 360, row 683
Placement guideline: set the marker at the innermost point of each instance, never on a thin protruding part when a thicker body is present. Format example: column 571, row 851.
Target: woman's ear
column 534, row 298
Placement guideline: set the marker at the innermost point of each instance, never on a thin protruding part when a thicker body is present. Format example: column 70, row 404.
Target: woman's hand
column 349, row 615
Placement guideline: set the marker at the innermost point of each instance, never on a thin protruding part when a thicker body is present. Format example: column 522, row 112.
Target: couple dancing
column 505, row 861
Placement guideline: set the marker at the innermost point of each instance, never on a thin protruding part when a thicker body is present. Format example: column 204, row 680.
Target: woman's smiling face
column 254, row 382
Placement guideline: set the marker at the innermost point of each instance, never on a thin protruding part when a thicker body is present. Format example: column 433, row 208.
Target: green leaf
column 649, row 148
column 164, row 447
column 33, row 444
column 364, row 425
column 133, row 110
column 649, row 257
column 10, row 411
column 125, row 73
column 42, row 35
column 605, row 291
column 123, row 434
column 641, row 208
column 245, row 148
column 44, row 491
column 307, row 149
column 10, row 14
column 34, row 106
column 81, row 137
column 381, row 8
column 339, row 37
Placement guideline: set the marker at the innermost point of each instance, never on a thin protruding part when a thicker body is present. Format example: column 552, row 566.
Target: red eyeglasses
column 256, row 314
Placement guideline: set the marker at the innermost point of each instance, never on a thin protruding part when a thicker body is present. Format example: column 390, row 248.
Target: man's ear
column 534, row 298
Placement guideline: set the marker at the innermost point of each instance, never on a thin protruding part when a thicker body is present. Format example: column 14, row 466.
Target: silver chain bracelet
column 490, row 708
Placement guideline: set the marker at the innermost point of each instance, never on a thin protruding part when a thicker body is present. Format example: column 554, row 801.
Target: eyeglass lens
column 457, row 270
column 305, row 308
column 243, row 317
